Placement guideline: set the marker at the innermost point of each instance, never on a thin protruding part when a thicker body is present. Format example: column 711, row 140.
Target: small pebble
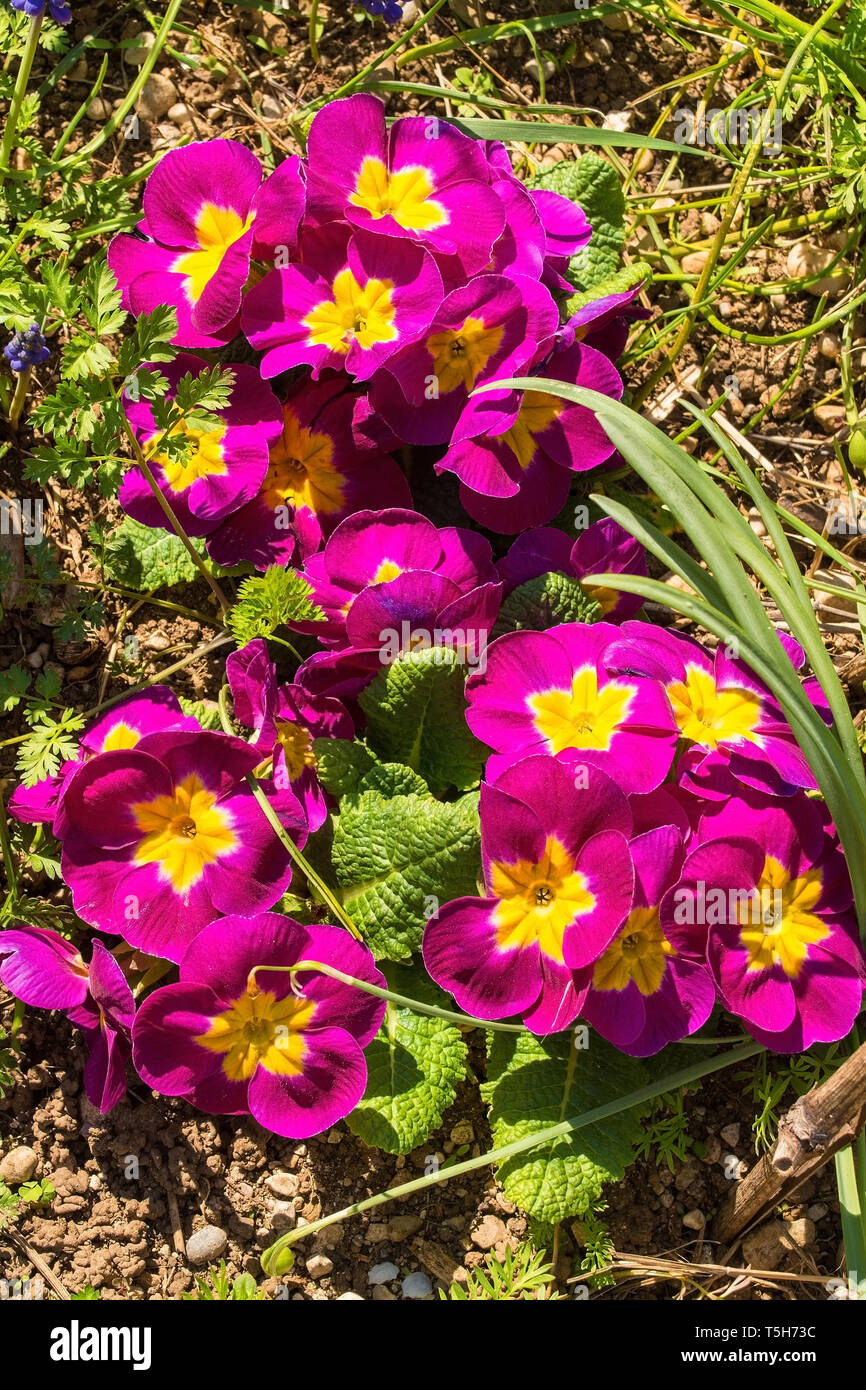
column 158, row 95
column 802, row 1231
column 712, row 1149
column 383, row 1273
column 97, row 109
column 617, row 120
column 830, row 346
column 695, row 1220
column 817, row 1212
column 138, row 54
column 489, row 1232
column 283, row 1185
column 18, row 1165
column 350, row 1297
column 206, row 1245
column 730, row 1135
column 417, row 1285
column 180, row 113
column 382, row 1294
column 694, row 262
column 319, row 1266
column 462, row 1133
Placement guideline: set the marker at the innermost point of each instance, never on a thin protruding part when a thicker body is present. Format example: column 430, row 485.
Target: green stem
column 311, row 31
column 735, row 196
column 354, row 82
column 271, row 1262
column 298, row 858
column 225, row 717
column 852, row 1213
column 8, row 857
column 166, row 505
column 120, row 115
column 19, row 398
column 11, row 127
column 416, row 1005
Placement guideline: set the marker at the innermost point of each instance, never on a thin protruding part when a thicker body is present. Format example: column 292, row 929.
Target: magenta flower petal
column 42, row 969
column 464, row 955
column 330, row 1086
column 551, row 693
column 164, row 1050
column 558, row 887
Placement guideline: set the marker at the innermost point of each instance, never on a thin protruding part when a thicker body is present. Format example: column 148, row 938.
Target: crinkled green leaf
column 414, row 1066
column 143, row 558
column 542, row 602
column 415, row 711
column 616, row 283
column 205, row 711
column 398, row 858
column 533, row 1083
column 341, row 763
column 592, row 183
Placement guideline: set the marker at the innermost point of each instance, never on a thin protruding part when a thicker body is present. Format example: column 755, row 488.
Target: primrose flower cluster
column 170, row 858
column 651, row 842
column 649, row 849
column 392, row 271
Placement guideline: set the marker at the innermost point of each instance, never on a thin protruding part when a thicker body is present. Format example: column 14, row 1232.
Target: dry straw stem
column 820, row 1124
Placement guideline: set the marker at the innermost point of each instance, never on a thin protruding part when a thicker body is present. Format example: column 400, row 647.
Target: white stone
column 417, row 1285
column 382, row 1273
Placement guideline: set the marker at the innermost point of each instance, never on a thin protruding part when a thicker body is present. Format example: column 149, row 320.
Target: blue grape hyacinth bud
column 390, row 10
column 59, row 11
column 27, row 349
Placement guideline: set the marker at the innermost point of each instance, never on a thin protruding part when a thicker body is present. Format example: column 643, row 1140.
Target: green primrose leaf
column 414, row 1065
column 341, row 763
column 542, row 602
column 144, row 559
column 533, row 1083
column 592, row 183
column 397, row 858
column 618, row 282
column 415, row 711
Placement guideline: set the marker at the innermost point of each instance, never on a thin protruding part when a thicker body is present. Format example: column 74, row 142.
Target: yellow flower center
column 787, row 925
column 538, row 902
column 301, row 471
column 638, row 953
column 297, row 745
column 358, row 313
column 404, row 195
column 537, row 412
column 183, row 832
column 583, row 717
column 121, row 736
column 710, row 716
column 216, row 229
column 260, row 1030
column 461, row 354
column 203, row 459
column 387, row 570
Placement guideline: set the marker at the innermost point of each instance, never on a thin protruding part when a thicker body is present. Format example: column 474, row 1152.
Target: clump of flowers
column 651, row 844
column 400, row 269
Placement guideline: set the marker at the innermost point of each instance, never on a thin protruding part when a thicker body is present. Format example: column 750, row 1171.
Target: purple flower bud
column 390, row 10
column 34, row 9
column 27, row 348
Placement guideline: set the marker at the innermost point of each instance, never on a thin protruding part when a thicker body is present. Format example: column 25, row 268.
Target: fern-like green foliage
column 269, row 601
column 521, row 1276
